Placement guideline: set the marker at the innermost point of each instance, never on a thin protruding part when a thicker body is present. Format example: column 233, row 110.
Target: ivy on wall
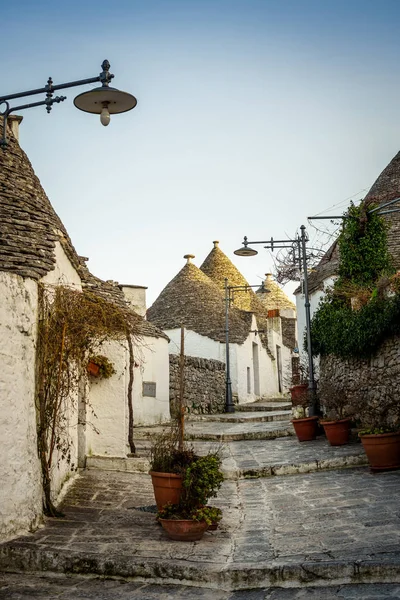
column 363, row 307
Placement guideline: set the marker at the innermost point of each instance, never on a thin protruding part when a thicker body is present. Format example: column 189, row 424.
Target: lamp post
column 103, row 100
column 229, row 405
column 299, row 244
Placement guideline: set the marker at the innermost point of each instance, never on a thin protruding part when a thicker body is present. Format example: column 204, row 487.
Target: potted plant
column 305, row 427
column 169, row 459
column 188, row 519
column 379, row 416
column 298, row 382
column 100, row 366
column 335, row 404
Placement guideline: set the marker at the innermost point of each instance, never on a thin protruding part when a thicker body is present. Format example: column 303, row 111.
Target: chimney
column 13, row 122
column 135, row 295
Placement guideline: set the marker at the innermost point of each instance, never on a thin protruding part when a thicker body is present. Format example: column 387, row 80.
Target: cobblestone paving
column 282, row 456
column 327, row 518
column 28, row 587
column 320, row 516
column 216, row 430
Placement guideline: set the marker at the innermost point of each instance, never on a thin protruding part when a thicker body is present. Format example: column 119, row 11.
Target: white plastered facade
column 254, row 374
column 20, row 471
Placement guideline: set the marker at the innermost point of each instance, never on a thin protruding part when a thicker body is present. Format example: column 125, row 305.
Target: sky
column 252, row 115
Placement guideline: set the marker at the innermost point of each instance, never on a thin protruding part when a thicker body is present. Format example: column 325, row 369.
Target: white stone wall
column 195, row 345
column 153, row 367
column 20, row 472
column 64, row 274
column 107, row 408
column 241, row 358
column 244, row 359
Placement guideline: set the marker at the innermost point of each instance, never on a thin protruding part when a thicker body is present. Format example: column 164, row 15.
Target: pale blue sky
column 251, row 115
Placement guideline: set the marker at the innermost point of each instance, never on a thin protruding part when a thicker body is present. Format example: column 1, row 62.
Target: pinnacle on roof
column 193, row 300
column 218, row 267
column 275, row 297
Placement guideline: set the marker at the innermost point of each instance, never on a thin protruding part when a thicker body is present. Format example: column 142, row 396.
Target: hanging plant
column 100, row 366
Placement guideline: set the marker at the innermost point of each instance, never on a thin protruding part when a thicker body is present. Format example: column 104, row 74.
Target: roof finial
column 268, row 277
column 189, row 257
column 216, row 242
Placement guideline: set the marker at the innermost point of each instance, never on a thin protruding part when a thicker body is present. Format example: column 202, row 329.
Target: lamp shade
column 94, row 101
column 245, row 251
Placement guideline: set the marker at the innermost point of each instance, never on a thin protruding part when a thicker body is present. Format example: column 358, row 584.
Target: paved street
column 13, row 587
column 329, row 526
column 299, row 521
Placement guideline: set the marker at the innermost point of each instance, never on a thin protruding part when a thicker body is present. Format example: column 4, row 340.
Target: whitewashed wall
column 244, row 359
column 107, row 409
column 241, row 358
column 195, row 345
column 20, row 472
column 153, row 358
column 65, row 274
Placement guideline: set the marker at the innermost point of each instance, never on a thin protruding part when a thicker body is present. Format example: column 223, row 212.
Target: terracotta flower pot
column 298, row 393
column 337, row 432
column 382, row 450
column 167, row 488
column 93, row 369
column 306, row 429
column 184, row 530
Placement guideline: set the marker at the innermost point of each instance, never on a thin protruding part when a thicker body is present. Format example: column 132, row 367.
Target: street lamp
column 103, row 100
column 229, row 405
column 298, row 243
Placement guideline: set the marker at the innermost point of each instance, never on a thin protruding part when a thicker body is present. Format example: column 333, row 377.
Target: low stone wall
column 371, row 385
column 204, row 385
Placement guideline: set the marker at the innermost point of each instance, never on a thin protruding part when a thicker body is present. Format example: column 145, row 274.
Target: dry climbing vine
column 71, row 326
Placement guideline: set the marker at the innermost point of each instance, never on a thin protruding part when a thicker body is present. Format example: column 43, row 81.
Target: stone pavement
column 13, row 587
column 323, row 528
column 258, row 458
column 299, row 521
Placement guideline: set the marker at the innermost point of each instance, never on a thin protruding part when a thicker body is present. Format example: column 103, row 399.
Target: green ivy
column 364, row 259
column 364, row 256
column 337, row 329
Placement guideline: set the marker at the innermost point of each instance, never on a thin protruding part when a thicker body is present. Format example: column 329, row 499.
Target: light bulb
column 105, row 116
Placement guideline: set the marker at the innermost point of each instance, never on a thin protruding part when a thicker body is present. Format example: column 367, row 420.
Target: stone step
column 225, row 431
column 245, row 417
column 263, row 406
column 282, row 456
column 288, row 532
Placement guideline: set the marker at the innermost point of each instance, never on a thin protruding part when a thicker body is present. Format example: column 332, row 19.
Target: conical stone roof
column 275, row 297
column 29, row 226
column 218, row 267
column 385, row 188
column 193, row 300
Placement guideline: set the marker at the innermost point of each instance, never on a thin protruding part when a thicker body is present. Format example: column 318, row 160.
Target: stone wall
column 371, row 385
column 204, row 385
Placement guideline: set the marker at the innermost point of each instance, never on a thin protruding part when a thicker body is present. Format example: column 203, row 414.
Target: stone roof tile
column 275, row 297
column 193, row 300
column 29, row 226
